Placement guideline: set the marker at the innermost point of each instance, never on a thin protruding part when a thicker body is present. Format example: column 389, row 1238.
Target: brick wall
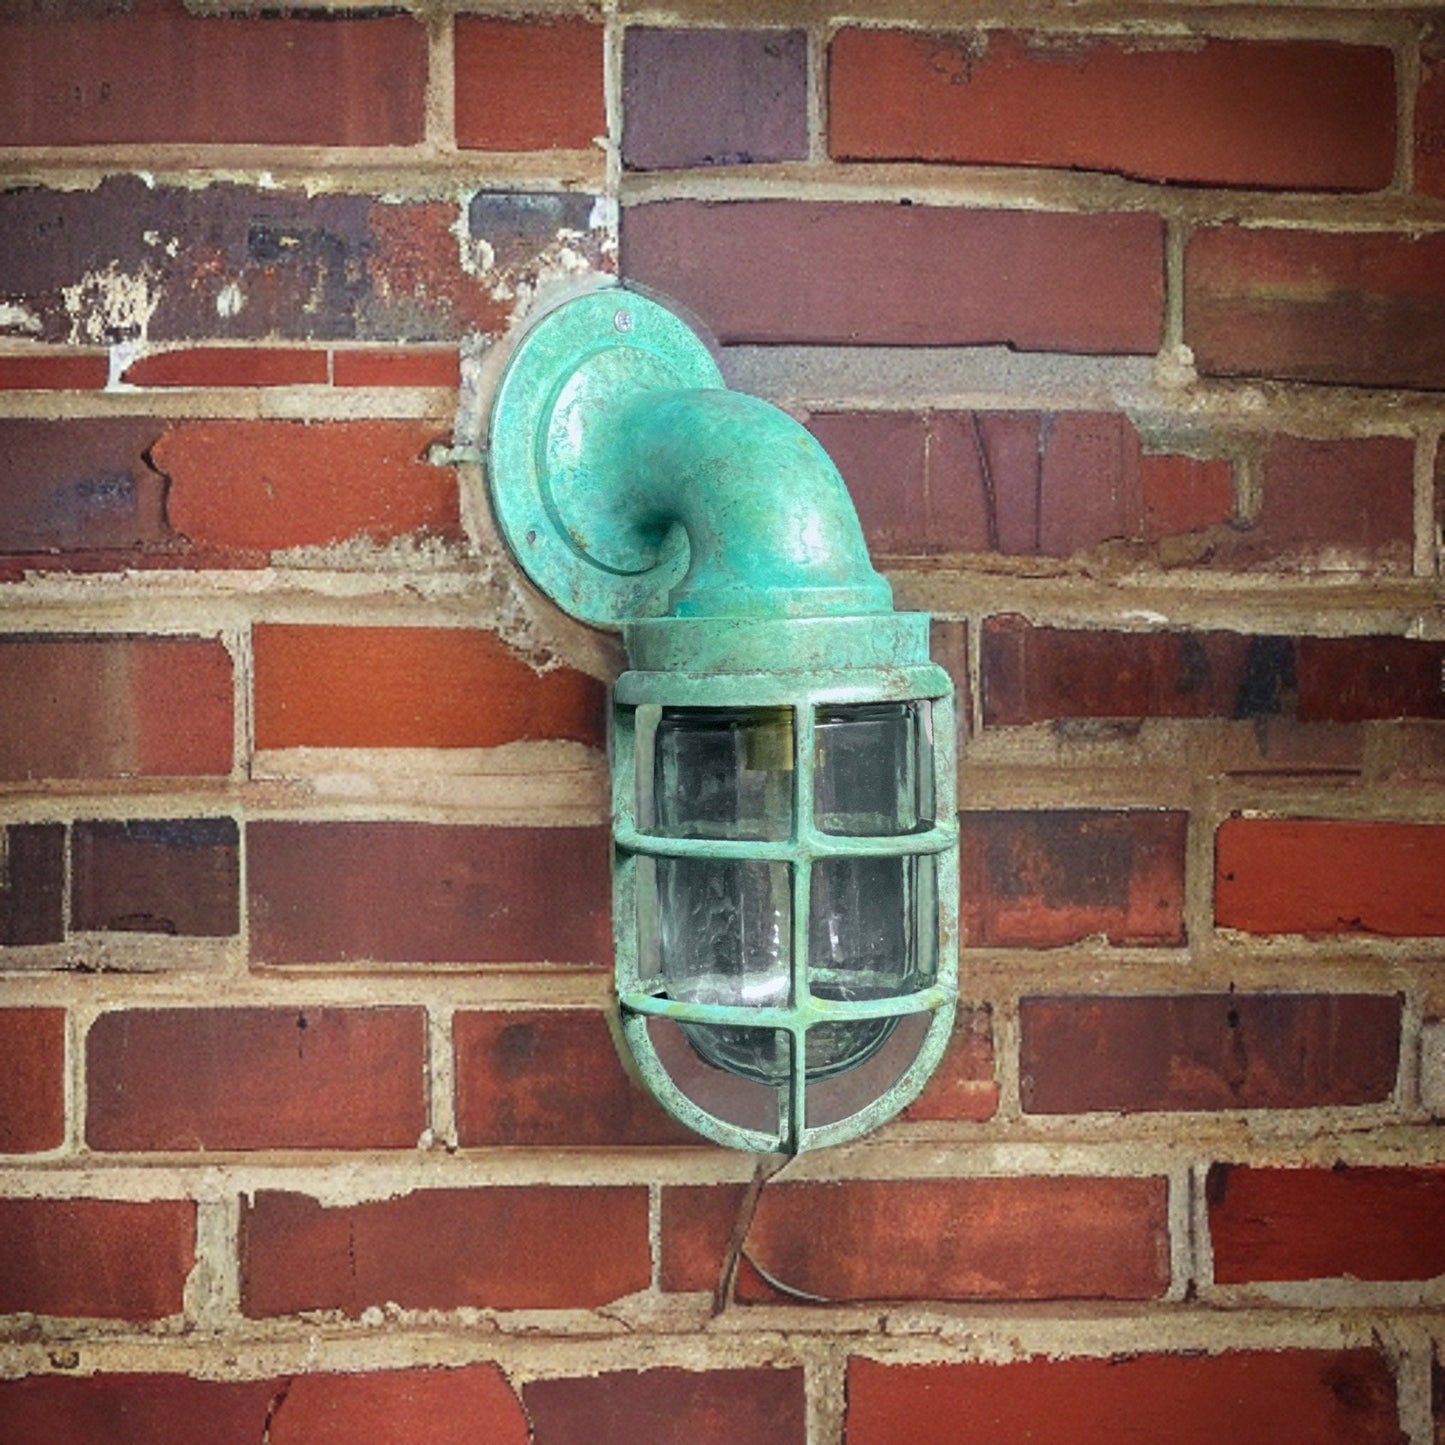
column 1128, row 332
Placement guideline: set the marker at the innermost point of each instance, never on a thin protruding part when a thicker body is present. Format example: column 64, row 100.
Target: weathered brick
column 1050, row 877
column 747, row 97
column 256, row 1078
column 154, row 72
column 350, row 687
column 410, row 892
column 81, row 486
column 526, row 85
column 117, row 706
column 127, row 260
column 252, row 487
column 96, row 1258
column 32, row 1080
column 447, row 1407
column 1257, row 1397
column 524, row 1247
column 1430, row 116
column 32, row 883
column 175, row 875
column 1346, row 1222
column 1329, row 876
column 671, row 1407
column 1346, row 503
column 400, row 366
column 1024, row 1238
column 229, row 366
column 868, row 273
column 550, row 1078
column 54, row 371
column 1355, row 679
column 1079, row 1054
column 963, row 1085
column 1358, row 308
column 1302, row 114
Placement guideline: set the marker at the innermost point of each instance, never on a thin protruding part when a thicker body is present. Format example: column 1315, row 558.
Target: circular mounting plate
column 569, row 519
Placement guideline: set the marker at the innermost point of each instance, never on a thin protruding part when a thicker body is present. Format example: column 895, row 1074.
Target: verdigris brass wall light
column 785, row 845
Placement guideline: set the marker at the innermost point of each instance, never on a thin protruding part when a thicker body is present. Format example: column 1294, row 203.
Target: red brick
column 1050, row 877
column 113, row 707
column 1346, row 1222
column 273, row 265
column 229, row 366
column 1430, row 117
column 419, row 687
column 1328, row 1397
column 1300, row 114
column 1329, row 876
column 414, row 893
column 32, row 883
column 175, row 876
column 746, row 90
column 1363, row 309
column 157, row 73
column 551, row 1078
column 1153, row 1052
column 1024, row 1239
column 32, row 1080
column 527, row 85
column 526, row 1247
column 1343, row 503
column 408, row 366
column 671, row 1407
column 948, row 647
column 256, row 486
column 96, row 1258
column 963, row 1085
column 441, row 1406
column 256, row 1078
column 869, row 273
column 1355, row 679
column 80, row 485
column 446, row 1407
column 55, row 371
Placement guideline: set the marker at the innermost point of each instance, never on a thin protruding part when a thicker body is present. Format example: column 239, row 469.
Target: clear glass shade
column 724, row 927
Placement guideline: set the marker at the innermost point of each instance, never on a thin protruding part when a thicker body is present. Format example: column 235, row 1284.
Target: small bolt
column 623, row 321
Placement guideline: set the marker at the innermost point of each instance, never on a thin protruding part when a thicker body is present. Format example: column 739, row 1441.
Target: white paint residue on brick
column 229, row 300
column 110, row 304
column 15, row 317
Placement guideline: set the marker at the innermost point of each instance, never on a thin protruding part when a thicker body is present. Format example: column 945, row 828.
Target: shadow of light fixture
column 782, row 749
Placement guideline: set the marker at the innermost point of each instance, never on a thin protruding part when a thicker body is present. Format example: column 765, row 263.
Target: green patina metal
column 637, row 491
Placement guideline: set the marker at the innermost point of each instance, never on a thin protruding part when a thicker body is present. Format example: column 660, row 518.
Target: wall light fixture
column 783, row 817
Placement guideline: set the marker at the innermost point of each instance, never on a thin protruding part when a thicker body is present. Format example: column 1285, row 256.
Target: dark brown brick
column 32, row 1080
column 1301, row 114
column 1050, row 877
column 846, row 273
column 114, row 706
column 96, row 1258
column 1355, row 679
column 671, row 1407
column 747, row 97
column 1430, row 130
column 32, row 883
column 1081, row 1054
column 551, row 1078
column 1259, row 1397
column 1017, row 1238
column 526, row 1247
column 1323, row 876
column 411, row 892
column 1359, row 308
column 1346, row 1222
column 256, row 1078
column 176, row 876
column 81, row 486
column 236, row 262
column 446, row 1406
column 155, row 72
